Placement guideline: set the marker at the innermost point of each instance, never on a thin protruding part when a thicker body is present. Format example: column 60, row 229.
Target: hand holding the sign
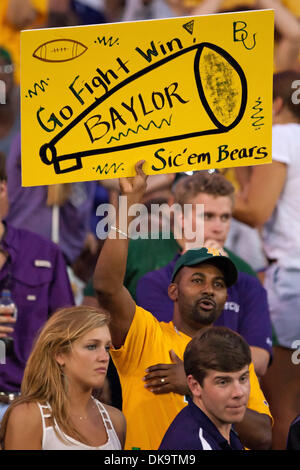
column 134, row 187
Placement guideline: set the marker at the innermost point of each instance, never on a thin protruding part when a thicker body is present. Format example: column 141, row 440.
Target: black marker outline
column 235, row 65
column 55, row 160
column 59, row 60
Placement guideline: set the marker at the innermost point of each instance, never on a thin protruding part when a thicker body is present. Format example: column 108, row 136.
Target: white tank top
column 52, row 442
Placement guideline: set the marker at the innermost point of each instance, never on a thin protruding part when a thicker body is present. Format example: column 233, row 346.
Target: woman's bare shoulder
column 24, row 411
column 24, row 427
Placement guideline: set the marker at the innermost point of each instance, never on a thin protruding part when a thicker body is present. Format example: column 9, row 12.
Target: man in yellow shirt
column 199, row 291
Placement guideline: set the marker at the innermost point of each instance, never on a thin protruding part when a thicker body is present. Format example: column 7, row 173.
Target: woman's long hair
column 43, row 379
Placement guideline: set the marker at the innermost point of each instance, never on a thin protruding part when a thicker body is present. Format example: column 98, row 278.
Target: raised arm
column 260, row 199
column 288, row 49
column 207, row 7
column 184, row 7
column 111, row 265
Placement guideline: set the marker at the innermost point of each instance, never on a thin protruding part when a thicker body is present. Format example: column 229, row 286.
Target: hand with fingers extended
column 134, row 187
column 166, row 378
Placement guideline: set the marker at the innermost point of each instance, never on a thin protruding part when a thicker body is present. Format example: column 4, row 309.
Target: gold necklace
column 82, row 417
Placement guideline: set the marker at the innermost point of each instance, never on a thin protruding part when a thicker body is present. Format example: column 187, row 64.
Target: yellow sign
column 184, row 94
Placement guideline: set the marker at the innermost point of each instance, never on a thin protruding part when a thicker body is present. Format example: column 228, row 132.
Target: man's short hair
column 215, row 348
column 3, row 174
column 189, row 187
column 282, row 87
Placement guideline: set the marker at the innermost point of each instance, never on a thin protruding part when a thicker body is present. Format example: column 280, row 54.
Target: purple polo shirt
column 35, row 272
column 28, row 207
column 193, row 430
column 246, row 310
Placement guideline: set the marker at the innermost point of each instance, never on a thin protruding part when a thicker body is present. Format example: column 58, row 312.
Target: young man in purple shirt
column 246, row 310
column 216, row 362
column 34, row 271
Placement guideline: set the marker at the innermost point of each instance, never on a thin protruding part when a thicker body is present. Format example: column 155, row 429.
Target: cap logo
column 213, row 251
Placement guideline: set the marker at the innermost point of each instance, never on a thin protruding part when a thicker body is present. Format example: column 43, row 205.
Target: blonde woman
column 56, row 409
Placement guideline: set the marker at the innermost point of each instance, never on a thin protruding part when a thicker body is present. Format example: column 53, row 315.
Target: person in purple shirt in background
column 32, row 207
column 33, row 269
column 246, row 310
column 216, row 363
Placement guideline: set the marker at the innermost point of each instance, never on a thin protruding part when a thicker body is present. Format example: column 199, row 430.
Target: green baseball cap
column 211, row 256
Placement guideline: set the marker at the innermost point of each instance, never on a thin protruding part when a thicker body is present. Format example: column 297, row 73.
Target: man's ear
column 3, row 187
column 173, row 291
column 278, row 104
column 194, row 386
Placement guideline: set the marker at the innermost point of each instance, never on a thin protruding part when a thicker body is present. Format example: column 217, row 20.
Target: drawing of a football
column 59, row 50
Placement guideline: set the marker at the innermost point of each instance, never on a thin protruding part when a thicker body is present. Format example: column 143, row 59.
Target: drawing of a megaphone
column 218, row 104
